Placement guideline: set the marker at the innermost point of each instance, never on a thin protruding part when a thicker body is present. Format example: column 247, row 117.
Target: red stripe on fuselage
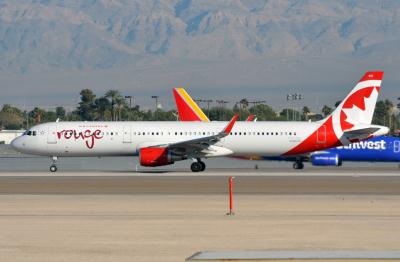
column 311, row 143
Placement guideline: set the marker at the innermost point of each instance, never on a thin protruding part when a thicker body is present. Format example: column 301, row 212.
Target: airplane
column 379, row 149
column 161, row 143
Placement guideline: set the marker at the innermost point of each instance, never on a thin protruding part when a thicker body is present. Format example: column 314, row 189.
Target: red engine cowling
column 156, row 156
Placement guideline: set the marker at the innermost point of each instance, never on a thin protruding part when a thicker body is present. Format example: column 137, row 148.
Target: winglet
column 250, row 118
column 230, row 125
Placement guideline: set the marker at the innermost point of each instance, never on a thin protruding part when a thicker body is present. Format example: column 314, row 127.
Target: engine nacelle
column 157, row 156
column 325, row 160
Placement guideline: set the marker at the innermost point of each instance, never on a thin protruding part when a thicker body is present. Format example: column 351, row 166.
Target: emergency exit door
column 52, row 134
column 127, row 135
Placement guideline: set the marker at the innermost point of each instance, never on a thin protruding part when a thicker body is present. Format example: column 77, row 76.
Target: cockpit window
column 30, row 133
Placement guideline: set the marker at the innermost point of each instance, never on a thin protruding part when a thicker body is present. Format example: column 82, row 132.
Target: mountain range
column 242, row 40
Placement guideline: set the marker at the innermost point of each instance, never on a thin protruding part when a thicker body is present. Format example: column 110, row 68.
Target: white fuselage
column 126, row 138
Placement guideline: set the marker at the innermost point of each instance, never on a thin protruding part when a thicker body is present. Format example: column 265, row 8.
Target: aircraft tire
column 298, row 165
column 203, row 166
column 53, row 169
column 196, row 167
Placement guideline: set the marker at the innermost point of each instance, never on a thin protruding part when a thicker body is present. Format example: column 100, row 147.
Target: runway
column 206, row 183
column 169, row 215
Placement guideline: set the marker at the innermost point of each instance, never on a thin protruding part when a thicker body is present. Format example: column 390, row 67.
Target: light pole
column 222, row 104
column 155, row 112
column 130, row 106
column 130, row 101
column 293, row 97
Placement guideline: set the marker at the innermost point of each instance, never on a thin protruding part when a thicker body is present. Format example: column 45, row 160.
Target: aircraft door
column 321, row 135
column 127, row 135
column 396, row 146
column 52, row 134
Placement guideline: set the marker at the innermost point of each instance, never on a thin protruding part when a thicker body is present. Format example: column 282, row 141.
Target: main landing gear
column 298, row 165
column 198, row 166
column 53, row 167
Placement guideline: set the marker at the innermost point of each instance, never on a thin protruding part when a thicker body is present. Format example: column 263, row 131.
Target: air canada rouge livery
column 163, row 143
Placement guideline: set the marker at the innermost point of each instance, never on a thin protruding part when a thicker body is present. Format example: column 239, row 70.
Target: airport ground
column 168, row 216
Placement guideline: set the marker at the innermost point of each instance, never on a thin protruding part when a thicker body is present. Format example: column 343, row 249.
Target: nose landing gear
column 53, row 167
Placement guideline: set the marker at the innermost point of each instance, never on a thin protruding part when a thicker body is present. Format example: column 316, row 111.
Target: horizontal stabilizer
column 365, row 132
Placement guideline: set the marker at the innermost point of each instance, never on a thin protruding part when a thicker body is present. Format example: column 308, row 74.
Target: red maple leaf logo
column 357, row 99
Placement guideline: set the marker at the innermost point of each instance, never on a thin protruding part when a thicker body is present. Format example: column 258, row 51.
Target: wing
column 204, row 146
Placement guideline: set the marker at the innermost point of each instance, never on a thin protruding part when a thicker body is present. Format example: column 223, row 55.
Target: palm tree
column 306, row 111
column 326, row 110
column 244, row 104
column 117, row 99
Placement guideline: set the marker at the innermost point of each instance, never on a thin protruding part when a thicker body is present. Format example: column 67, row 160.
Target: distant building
column 6, row 136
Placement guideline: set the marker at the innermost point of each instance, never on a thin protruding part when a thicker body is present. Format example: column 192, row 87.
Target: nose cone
column 16, row 144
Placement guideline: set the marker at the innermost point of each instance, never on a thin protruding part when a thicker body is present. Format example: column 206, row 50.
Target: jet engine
column 327, row 159
column 157, row 156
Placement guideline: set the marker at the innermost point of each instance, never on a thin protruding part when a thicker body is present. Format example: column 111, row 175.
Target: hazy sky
column 259, row 49
column 319, row 83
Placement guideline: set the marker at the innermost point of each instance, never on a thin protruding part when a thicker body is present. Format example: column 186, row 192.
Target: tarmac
column 168, row 216
column 205, row 183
